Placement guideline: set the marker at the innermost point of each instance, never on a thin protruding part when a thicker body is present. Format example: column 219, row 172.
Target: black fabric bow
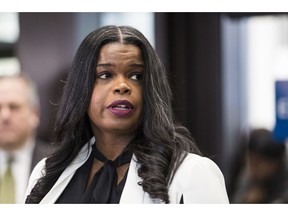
column 103, row 186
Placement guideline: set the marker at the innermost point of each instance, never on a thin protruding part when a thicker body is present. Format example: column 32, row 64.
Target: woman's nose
column 122, row 87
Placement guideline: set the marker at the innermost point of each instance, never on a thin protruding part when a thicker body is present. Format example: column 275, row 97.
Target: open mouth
column 121, row 108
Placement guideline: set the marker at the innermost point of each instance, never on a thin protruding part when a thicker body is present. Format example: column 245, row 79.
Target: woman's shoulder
column 38, row 170
column 37, row 173
column 199, row 177
column 195, row 161
column 198, row 166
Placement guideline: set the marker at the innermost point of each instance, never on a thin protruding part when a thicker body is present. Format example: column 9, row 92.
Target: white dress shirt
column 21, row 167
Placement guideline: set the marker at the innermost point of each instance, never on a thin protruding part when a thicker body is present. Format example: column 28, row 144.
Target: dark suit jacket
column 42, row 149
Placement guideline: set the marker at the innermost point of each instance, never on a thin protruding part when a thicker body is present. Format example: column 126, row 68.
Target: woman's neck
column 112, row 145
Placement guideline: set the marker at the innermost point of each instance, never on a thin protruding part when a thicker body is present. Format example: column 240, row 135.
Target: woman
column 118, row 141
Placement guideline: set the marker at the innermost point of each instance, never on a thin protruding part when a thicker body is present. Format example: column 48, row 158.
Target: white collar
column 20, row 154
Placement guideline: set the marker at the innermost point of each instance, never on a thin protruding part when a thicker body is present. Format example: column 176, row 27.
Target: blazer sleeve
column 198, row 180
column 36, row 174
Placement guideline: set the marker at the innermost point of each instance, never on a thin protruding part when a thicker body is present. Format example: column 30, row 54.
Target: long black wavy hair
column 160, row 145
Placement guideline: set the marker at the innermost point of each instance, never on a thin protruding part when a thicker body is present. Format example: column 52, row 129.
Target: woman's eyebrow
column 136, row 65
column 111, row 65
column 104, row 65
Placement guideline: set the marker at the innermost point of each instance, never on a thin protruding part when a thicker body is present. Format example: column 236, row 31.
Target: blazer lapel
column 132, row 192
column 66, row 176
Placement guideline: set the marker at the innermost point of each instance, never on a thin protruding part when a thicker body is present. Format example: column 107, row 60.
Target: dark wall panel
column 192, row 41
column 46, row 48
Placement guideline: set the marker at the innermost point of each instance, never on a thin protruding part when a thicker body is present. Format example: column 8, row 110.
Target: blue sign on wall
column 281, row 111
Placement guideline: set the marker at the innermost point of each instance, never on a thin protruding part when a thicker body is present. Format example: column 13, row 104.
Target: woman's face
column 117, row 100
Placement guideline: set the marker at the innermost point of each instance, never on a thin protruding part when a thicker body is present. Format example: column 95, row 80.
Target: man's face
column 18, row 119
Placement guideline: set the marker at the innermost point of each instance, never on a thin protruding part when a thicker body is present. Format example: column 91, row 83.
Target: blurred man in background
column 19, row 148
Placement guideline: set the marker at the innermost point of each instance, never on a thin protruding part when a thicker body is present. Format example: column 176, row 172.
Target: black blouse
column 99, row 190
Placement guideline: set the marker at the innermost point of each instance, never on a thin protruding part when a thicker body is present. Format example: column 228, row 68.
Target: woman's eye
column 105, row 75
column 137, row 76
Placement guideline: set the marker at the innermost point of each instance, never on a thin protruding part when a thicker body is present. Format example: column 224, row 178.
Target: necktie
column 7, row 187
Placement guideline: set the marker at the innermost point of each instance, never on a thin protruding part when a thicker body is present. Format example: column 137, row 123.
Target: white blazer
column 198, row 179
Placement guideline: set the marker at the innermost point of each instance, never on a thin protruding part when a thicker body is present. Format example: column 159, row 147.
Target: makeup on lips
column 121, row 108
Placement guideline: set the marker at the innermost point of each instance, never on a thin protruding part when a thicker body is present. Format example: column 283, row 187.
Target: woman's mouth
column 121, row 108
